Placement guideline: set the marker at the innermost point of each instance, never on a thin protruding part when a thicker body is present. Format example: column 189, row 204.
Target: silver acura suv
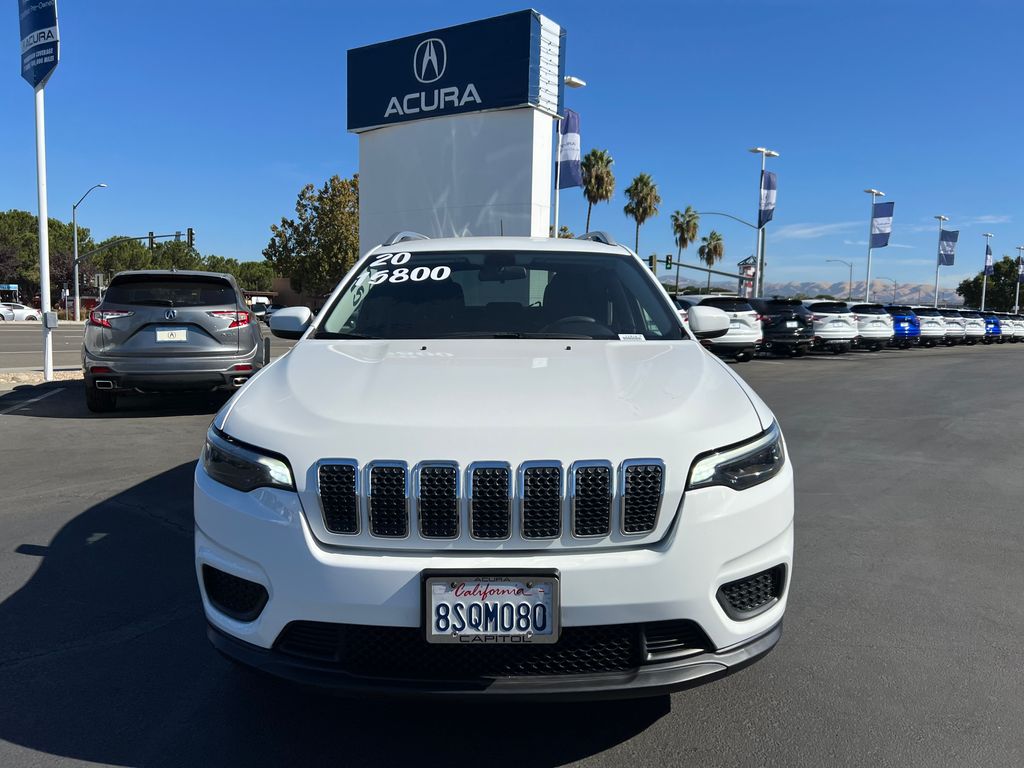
column 165, row 330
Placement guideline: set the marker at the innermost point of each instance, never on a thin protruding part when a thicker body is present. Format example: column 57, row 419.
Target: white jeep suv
column 495, row 466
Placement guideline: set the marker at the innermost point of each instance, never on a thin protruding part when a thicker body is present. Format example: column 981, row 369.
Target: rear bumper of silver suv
column 163, row 374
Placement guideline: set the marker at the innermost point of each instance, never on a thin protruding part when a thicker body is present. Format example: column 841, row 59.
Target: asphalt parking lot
column 901, row 645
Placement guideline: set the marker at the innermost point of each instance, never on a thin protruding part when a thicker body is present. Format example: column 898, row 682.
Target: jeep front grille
column 538, row 501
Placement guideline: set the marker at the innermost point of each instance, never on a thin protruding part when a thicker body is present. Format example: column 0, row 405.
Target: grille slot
column 490, row 500
column 752, row 595
column 232, row 595
column 642, row 482
column 672, row 639
column 437, row 501
column 540, row 494
column 338, row 483
column 388, row 499
column 400, row 652
column 591, row 498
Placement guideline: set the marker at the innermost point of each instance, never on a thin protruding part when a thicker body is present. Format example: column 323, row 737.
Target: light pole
column 1016, row 295
column 893, row 286
column 74, row 227
column 849, row 290
column 572, row 82
column 941, row 219
column 984, row 271
column 764, row 152
column 871, row 223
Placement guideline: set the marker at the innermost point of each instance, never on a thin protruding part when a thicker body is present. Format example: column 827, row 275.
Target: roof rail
column 401, row 237
column 598, row 237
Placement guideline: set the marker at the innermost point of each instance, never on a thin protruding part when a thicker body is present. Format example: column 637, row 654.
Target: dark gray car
column 160, row 331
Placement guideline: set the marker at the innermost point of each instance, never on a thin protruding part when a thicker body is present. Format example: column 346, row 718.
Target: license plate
column 736, row 325
column 492, row 610
column 791, row 323
column 172, row 334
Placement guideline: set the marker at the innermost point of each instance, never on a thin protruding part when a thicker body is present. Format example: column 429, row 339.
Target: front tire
column 100, row 400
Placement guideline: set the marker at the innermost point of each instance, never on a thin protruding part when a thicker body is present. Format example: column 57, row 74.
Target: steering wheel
column 581, row 324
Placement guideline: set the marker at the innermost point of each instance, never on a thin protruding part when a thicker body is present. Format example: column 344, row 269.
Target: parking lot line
column 22, row 404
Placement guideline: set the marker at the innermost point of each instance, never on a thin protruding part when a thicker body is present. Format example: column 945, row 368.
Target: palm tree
column 711, row 251
column 642, row 202
column 598, row 179
column 684, row 227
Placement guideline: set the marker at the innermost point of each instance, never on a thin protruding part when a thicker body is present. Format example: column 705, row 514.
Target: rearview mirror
column 290, row 322
column 707, row 322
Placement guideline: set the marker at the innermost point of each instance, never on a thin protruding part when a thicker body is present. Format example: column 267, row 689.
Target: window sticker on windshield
column 416, row 274
column 632, row 337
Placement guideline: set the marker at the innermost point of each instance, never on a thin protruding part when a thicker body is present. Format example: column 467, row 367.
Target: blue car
column 993, row 328
column 906, row 328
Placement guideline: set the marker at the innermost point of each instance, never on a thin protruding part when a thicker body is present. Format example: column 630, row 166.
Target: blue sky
column 213, row 115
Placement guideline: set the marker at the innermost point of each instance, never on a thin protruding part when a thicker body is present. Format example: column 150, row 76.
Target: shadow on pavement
column 70, row 403
column 103, row 657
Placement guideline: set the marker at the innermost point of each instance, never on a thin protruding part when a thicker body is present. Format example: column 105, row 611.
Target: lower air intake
column 233, row 596
column 753, row 595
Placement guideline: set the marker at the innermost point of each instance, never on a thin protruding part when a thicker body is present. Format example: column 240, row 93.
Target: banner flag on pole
column 569, row 172
column 881, row 224
column 989, row 268
column 1020, row 270
column 947, row 246
column 767, row 209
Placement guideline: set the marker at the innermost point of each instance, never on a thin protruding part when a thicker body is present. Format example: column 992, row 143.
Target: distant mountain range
column 881, row 290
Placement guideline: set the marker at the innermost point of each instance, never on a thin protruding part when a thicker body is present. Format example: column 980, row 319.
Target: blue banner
column 947, row 246
column 989, row 268
column 515, row 60
column 40, row 41
column 570, row 174
column 881, row 224
column 767, row 207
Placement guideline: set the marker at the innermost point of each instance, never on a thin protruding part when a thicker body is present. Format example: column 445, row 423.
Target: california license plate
column 791, row 323
column 492, row 610
column 172, row 334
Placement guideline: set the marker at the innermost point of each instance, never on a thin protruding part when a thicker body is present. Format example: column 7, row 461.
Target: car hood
column 493, row 400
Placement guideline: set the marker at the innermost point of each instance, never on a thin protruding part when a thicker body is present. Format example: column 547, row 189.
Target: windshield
column 830, row 308
column 925, row 312
column 869, row 309
column 169, row 291
column 729, row 304
column 503, row 294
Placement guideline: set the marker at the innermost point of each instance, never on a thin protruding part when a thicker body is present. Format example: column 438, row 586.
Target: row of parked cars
column 793, row 327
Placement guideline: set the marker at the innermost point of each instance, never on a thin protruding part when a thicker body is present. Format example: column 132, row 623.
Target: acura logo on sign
column 170, row 314
column 429, row 60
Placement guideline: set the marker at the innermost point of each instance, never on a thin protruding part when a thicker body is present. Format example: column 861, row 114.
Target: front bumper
column 647, row 680
column 719, row 536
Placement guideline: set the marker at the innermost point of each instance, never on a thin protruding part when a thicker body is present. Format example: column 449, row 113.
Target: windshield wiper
column 342, row 335
column 510, row 335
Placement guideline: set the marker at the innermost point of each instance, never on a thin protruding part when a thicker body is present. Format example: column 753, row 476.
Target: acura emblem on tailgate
column 170, row 314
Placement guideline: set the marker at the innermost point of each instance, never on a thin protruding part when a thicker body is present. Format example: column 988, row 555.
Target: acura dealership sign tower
column 455, row 128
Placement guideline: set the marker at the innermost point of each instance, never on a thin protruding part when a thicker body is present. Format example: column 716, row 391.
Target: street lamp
column 764, row 152
column 893, row 286
column 849, row 290
column 941, row 219
column 74, row 227
column 867, row 282
column 571, row 81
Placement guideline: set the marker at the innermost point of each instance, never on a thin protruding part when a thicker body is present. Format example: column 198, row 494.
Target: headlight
column 242, row 466
column 741, row 466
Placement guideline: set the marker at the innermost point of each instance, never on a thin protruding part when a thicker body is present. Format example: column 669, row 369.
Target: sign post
column 40, row 51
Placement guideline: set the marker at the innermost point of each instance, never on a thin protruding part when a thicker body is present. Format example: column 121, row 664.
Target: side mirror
column 708, row 322
column 290, row 322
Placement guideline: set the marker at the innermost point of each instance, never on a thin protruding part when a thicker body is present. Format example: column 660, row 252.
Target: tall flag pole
column 765, row 210
column 878, row 232
column 989, row 269
column 940, row 260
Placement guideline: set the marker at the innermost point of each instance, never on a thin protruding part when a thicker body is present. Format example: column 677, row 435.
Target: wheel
column 799, row 352
column 743, row 357
column 876, row 347
column 100, row 400
column 33, row 318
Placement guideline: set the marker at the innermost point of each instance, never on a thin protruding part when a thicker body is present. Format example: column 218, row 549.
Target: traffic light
column 668, row 260
column 152, row 240
column 190, row 237
column 652, row 261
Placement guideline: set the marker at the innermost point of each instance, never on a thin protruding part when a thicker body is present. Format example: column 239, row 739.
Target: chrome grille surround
column 579, row 518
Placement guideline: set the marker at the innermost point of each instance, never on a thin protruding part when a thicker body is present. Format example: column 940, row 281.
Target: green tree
column 255, row 275
column 711, row 251
column 120, row 256
column 175, row 254
column 598, row 179
column 685, row 225
column 214, row 263
column 19, row 252
column 321, row 243
column 642, row 203
column 563, row 231
column 1000, row 290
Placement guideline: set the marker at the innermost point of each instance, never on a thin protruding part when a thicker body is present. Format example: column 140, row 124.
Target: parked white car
column 1012, row 330
column 745, row 334
column 21, row 311
column 487, row 442
column 956, row 326
column 835, row 327
column 974, row 326
column 6, row 315
column 933, row 326
column 874, row 326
